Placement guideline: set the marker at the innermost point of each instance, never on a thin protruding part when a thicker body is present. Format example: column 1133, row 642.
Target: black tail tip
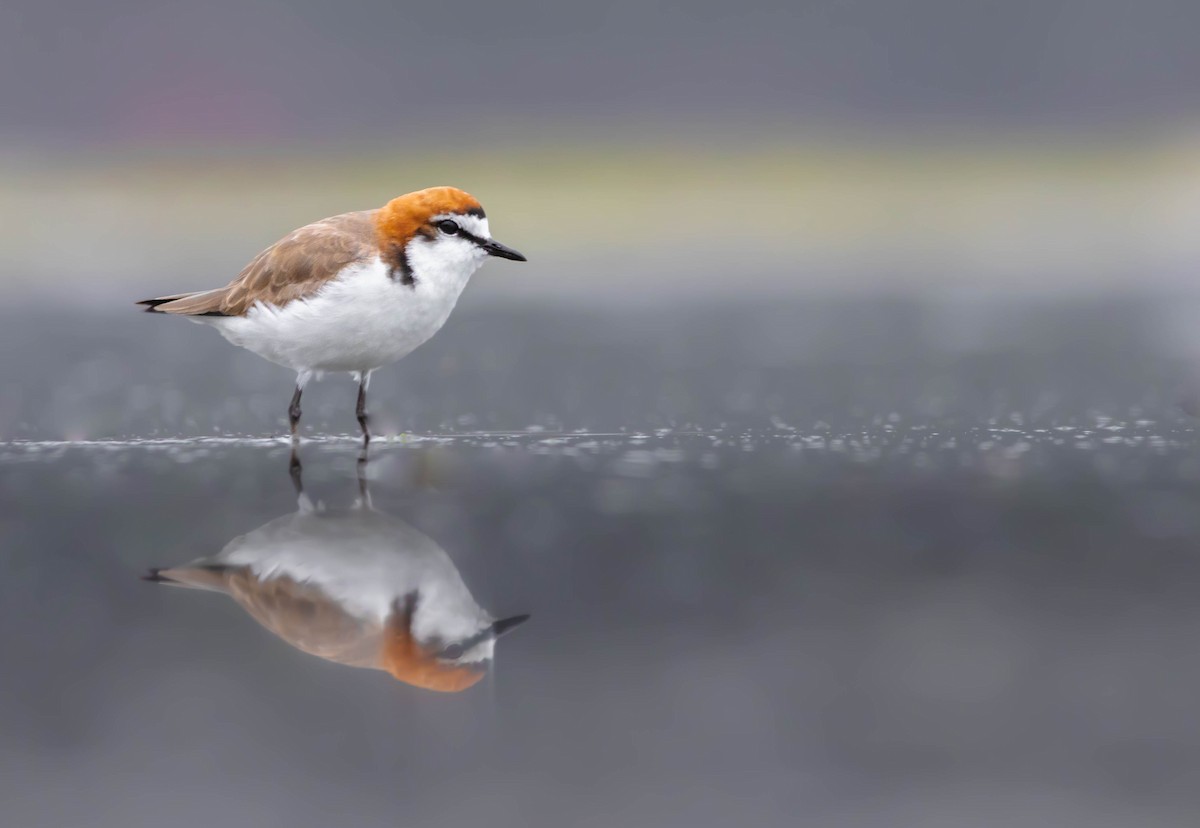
column 154, row 575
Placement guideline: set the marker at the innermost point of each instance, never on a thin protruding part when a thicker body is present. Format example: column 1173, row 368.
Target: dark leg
column 296, row 471
column 364, row 492
column 361, row 409
column 294, row 410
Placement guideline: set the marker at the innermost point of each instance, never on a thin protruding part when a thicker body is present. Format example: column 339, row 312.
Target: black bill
column 503, row 251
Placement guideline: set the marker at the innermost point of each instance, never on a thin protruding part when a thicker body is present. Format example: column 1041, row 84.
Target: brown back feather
column 295, row 267
column 303, row 616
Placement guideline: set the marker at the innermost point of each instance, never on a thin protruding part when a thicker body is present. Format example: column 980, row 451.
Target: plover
column 353, row 292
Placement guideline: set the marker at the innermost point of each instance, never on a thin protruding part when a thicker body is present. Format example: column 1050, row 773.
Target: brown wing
column 294, row 267
column 303, row 616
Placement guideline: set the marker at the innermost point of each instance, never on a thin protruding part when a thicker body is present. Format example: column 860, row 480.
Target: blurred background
column 641, row 151
column 836, row 433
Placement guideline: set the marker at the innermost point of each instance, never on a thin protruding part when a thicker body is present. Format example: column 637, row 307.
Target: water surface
column 843, row 584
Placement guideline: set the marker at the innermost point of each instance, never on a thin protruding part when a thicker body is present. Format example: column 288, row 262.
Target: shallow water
column 717, row 633
column 935, row 589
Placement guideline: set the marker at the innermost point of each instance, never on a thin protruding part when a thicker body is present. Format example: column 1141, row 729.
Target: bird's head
column 438, row 234
column 443, row 665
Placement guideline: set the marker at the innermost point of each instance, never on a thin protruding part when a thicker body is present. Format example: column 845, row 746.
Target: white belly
column 363, row 560
column 361, row 320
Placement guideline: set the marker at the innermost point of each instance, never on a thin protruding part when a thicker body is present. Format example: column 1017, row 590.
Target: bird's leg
column 294, row 410
column 303, row 502
column 297, row 472
column 364, row 489
column 361, row 409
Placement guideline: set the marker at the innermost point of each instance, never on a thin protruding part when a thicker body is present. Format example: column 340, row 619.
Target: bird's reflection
column 358, row 587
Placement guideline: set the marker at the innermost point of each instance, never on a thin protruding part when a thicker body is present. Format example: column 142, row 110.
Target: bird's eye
column 454, row 650
column 450, row 228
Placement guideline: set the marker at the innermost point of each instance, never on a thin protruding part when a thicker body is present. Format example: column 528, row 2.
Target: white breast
column 360, row 320
column 366, row 562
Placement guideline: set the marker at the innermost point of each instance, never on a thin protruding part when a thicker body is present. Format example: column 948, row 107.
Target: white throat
column 445, row 263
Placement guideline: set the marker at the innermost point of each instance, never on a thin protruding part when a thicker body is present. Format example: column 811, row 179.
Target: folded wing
column 295, row 267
